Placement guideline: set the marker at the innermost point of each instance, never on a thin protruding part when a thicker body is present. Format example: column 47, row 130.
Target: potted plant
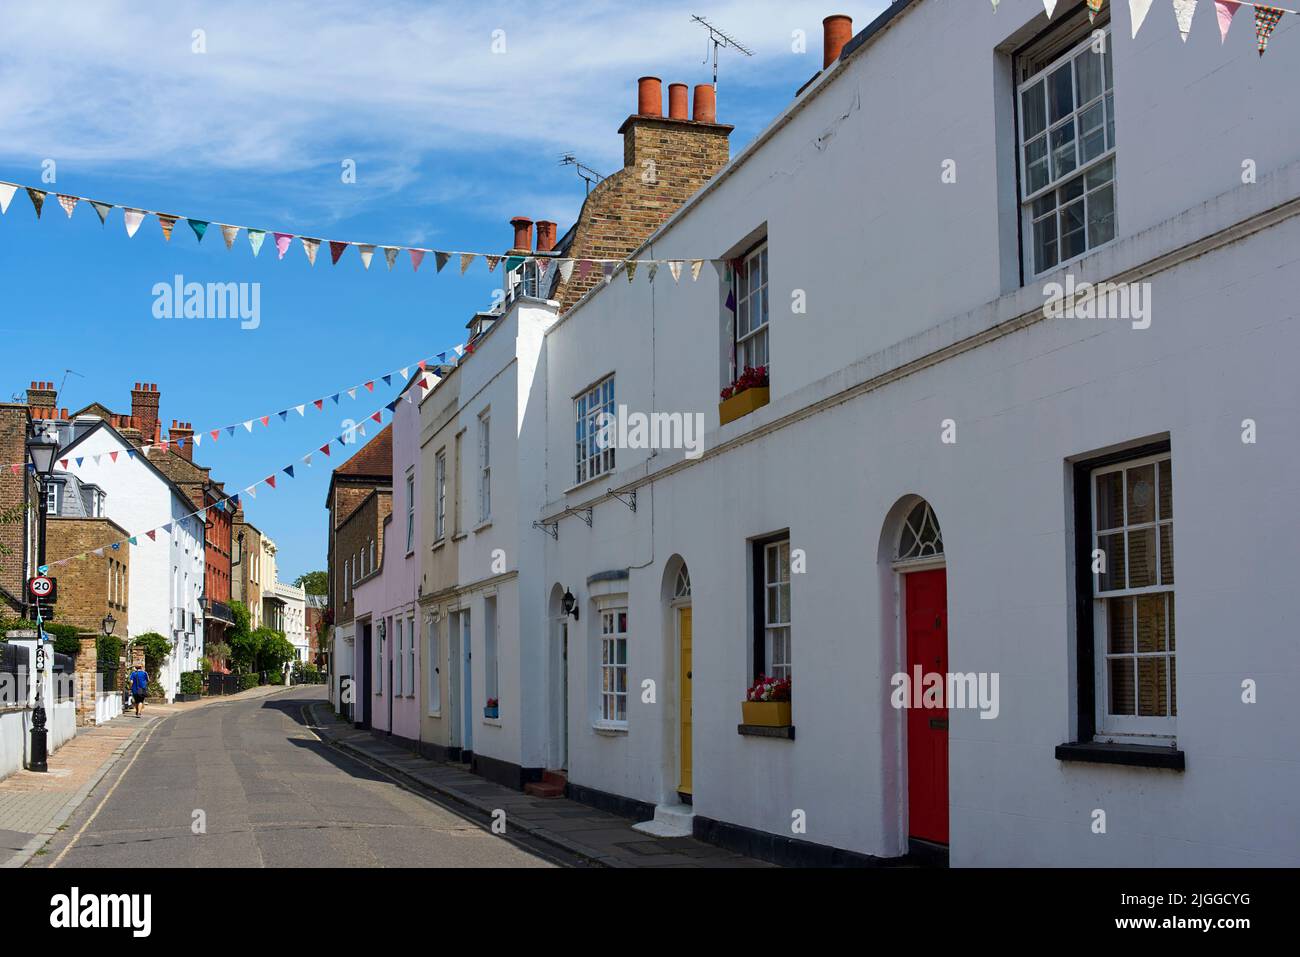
column 492, row 709
column 749, row 392
column 767, row 704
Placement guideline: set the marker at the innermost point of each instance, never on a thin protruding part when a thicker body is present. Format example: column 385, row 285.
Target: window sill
column 410, row 553
column 591, row 481
column 1131, row 755
column 482, row 526
column 492, row 722
column 766, row 731
column 434, row 714
column 461, row 537
column 438, row 544
column 610, row 729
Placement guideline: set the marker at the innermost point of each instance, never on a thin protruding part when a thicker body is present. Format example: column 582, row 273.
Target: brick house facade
column 94, row 587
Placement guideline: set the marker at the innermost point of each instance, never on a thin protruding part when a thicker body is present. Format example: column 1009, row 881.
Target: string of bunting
column 133, row 217
column 435, row 362
column 1267, row 16
column 230, row 503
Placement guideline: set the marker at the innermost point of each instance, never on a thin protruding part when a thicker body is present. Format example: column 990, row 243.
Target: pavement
column 34, row 806
column 592, row 837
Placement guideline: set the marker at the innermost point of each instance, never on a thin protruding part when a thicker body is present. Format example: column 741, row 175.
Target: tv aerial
column 719, row 39
column 586, row 172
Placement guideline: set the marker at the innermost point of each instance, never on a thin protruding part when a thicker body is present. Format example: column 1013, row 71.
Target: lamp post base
column 40, row 753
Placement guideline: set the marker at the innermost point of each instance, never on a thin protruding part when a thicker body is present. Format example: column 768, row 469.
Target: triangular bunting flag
column 584, row 267
column 378, row 417
column 390, row 255
column 113, row 456
column 228, row 233
column 307, row 460
column 336, row 250
column 69, row 203
column 1266, row 20
column 421, row 364
column 288, row 470
column 265, row 420
column 230, row 430
column 392, row 405
column 566, row 269
column 1184, row 10
column 215, row 433
column 131, row 219
column 1138, row 10
column 370, row 386
column 608, row 269
column 465, row 260
column 99, row 552
column 1094, row 8
column 270, row 480
column 255, row 237
column 309, row 246
column 492, row 262
column 631, row 270
column 675, row 267
column 199, row 227
column 248, row 426
column 153, row 536
column 352, row 393
column 80, row 459
column 198, row 439
column 282, row 241
column 283, row 415
column 167, row 529
column 388, row 380
column 440, row 259
column 335, row 398
column 1226, row 10
column 1050, row 6
column 252, row 491
column 167, row 223
column 325, row 448
column 301, row 409
column 319, row 403
column 696, row 266
column 367, row 253
column 417, row 257
column 652, row 271
column 37, row 197
column 63, row 464
column 459, row 350
column 101, row 209
column 406, row 373
column 132, row 540
column 7, row 191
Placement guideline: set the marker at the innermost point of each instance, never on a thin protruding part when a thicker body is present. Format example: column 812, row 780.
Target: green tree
column 155, row 648
column 273, row 650
column 313, row 583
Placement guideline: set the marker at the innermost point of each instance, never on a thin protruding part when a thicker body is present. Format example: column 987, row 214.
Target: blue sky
column 449, row 140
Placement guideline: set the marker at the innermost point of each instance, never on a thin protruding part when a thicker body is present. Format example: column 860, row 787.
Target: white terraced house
column 947, row 513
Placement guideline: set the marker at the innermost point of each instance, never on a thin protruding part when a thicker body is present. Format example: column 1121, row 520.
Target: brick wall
column 364, row 526
column 13, row 451
column 91, row 588
column 665, row 162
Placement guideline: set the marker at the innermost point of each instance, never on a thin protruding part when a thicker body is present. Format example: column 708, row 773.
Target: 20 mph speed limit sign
column 43, row 587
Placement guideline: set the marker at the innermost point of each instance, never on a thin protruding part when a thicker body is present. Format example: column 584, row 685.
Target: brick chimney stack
column 41, row 395
column 182, row 430
column 523, row 235
column 144, row 409
column 666, row 159
column 837, row 30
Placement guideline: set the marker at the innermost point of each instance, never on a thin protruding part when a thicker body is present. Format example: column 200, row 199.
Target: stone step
column 670, row 820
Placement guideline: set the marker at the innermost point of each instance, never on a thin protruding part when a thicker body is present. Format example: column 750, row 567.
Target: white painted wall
column 295, row 611
column 166, row 576
column 897, row 266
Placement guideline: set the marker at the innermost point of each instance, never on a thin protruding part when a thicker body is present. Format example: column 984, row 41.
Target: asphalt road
column 271, row 795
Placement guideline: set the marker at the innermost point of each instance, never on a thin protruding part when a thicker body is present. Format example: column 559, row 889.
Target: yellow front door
column 684, row 633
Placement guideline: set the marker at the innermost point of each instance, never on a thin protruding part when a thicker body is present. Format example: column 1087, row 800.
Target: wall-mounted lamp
column 569, row 604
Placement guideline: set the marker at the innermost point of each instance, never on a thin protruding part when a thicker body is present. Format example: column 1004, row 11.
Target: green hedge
column 247, row 681
column 192, row 682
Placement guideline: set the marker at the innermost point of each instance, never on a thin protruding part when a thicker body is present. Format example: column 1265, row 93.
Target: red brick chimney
column 182, row 430
column 649, row 96
column 545, row 235
column 837, row 30
column 523, row 235
column 41, row 395
column 144, row 409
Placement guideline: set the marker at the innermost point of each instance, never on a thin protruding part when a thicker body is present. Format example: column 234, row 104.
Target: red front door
column 927, row 728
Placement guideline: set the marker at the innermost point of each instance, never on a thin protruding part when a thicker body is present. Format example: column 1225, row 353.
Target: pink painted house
column 387, row 599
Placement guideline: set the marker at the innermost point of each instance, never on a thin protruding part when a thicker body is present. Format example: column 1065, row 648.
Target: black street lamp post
column 41, row 448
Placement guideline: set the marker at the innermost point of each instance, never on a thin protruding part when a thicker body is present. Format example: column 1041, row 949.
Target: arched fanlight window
column 682, row 589
column 921, row 537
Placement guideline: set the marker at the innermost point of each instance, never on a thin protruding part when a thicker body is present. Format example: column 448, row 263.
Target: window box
column 492, row 709
column 729, row 410
column 766, row 714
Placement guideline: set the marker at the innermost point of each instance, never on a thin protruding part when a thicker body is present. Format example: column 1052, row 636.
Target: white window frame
column 1081, row 172
column 410, row 512
column 399, row 653
column 1127, row 727
column 440, row 495
column 610, row 615
column 778, row 628
column 491, row 651
column 593, row 461
column 484, row 467
column 754, row 339
column 434, row 667
column 379, row 653
column 51, row 498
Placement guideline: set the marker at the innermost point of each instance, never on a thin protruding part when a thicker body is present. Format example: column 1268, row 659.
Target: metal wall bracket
column 630, row 501
column 550, row 528
column 582, row 513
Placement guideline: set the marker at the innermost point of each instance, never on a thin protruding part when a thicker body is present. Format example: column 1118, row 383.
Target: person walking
column 139, row 687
